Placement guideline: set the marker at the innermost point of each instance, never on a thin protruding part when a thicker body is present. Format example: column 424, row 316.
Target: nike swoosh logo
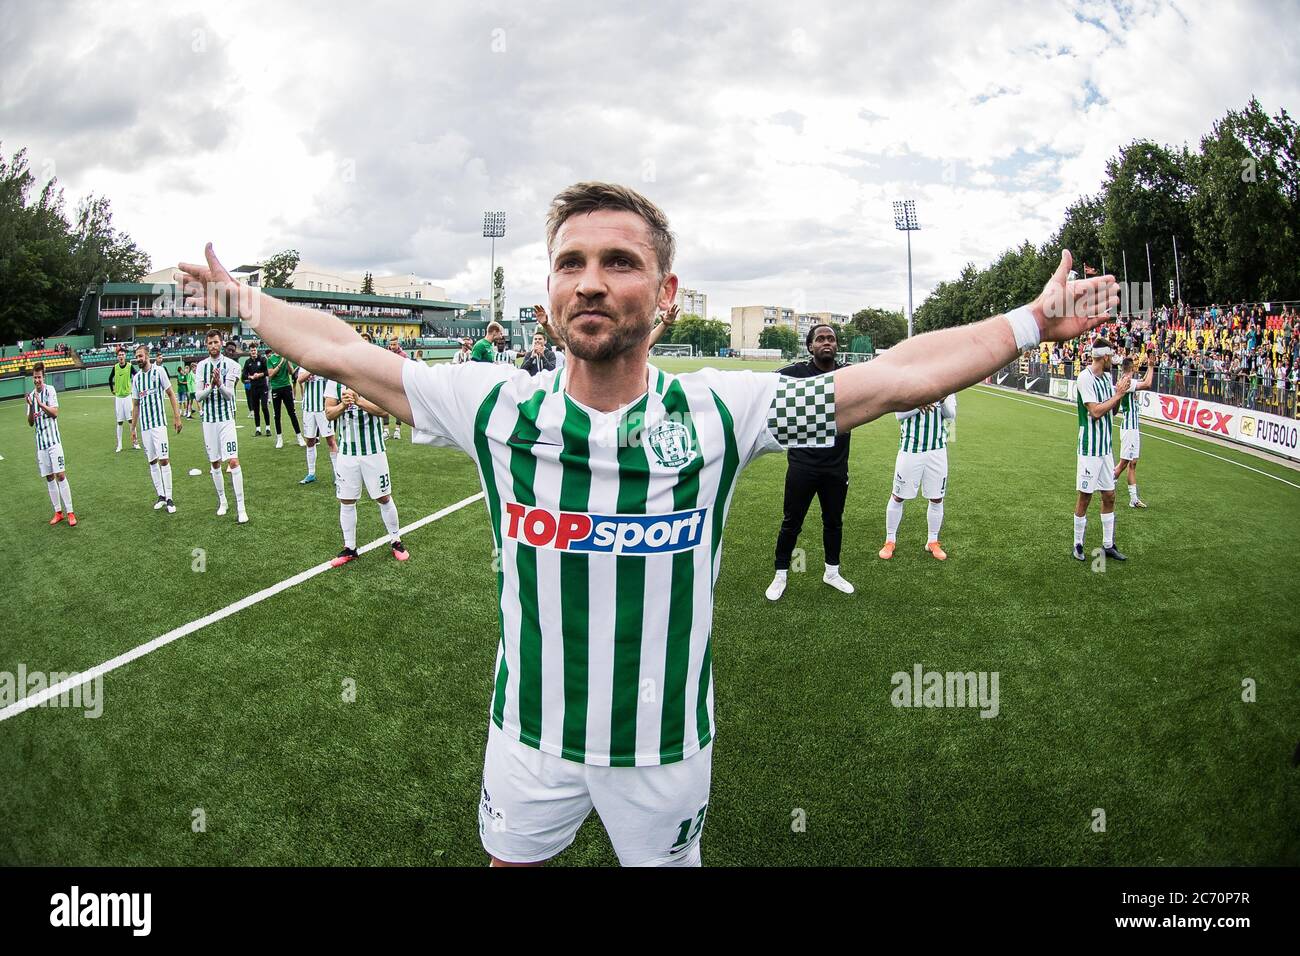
column 518, row 441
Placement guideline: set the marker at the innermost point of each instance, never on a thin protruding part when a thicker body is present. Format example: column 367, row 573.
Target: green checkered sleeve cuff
column 802, row 414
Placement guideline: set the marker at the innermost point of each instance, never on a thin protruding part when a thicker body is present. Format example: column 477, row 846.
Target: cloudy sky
column 774, row 134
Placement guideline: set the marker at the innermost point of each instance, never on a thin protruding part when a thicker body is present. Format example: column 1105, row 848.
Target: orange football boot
column 937, row 550
column 887, row 551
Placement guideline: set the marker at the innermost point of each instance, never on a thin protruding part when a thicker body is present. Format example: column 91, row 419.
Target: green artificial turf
column 1119, row 690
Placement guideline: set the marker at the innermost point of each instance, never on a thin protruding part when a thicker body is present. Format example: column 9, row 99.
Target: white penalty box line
column 1001, row 393
column 64, row 686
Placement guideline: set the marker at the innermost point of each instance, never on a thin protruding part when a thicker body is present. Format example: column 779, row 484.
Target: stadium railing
column 1267, row 419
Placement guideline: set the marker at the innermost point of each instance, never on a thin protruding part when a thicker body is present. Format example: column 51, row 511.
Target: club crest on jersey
column 580, row 532
column 671, row 443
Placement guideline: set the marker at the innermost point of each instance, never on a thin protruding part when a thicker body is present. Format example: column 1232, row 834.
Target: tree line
column 48, row 258
column 1233, row 206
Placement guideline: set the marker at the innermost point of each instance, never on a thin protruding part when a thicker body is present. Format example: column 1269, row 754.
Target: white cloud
column 774, row 136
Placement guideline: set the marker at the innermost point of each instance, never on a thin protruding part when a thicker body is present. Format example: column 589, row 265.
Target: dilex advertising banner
column 1271, row 433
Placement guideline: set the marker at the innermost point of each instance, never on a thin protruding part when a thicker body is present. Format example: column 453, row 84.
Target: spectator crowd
column 1238, row 355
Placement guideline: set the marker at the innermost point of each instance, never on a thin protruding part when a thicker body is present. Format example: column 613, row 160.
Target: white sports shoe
column 221, row 510
column 161, row 502
column 171, row 508
column 385, row 433
column 837, row 582
column 243, row 517
column 279, row 441
column 397, row 434
column 776, row 588
column 302, row 442
column 119, row 447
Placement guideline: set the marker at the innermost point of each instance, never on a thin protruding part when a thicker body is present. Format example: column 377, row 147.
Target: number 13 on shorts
column 689, row 831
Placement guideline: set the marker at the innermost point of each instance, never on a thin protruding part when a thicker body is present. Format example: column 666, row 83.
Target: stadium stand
column 21, row 364
column 1246, row 355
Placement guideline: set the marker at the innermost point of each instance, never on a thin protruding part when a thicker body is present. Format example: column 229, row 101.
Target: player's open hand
column 671, row 315
column 1123, row 384
column 539, row 313
column 212, row 287
column 1067, row 308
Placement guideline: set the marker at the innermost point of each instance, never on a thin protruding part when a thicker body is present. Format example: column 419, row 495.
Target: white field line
column 1147, row 434
column 177, row 633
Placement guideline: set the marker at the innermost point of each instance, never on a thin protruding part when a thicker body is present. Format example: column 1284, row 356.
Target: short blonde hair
column 588, row 197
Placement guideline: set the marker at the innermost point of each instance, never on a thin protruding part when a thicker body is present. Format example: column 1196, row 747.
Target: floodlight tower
column 905, row 221
column 494, row 227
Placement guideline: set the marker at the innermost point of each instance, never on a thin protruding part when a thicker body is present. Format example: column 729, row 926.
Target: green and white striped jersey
column 357, row 431
column 217, row 406
column 1128, row 407
column 920, row 431
column 313, row 394
column 608, row 529
column 150, row 390
column 47, row 427
column 1094, row 433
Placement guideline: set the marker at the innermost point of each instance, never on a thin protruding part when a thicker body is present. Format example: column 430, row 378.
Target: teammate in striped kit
column 149, row 388
column 43, row 415
column 216, row 379
column 1096, row 398
column 921, row 465
column 1130, row 437
column 362, row 460
column 607, row 487
column 315, row 425
column 119, row 383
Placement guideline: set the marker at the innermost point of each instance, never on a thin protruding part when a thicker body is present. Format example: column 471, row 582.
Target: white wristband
column 1024, row 327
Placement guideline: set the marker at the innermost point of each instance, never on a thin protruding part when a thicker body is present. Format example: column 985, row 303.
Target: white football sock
column 311, row 459
column 54, row 494
column 1080, row 526
column 348, row 522
column 237, row 479
column 893, row 515
column 334, row 460
column 155, row 475
column 388, row 511
column 66, row 494
column 220, row 483
column 1108, row 530
column 934, row 518
column 1133, row 492
column 119, row 434
column 166, row 472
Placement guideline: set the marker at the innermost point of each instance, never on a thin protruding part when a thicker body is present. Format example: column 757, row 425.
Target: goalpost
column 683, row 349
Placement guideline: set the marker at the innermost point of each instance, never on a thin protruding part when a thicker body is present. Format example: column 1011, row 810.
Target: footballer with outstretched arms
column 362, row 460
column 216, row 379
column 119, row 383
column 315, row 425
column 607, row 486
column 1130, row 436
column 1096, row 398
column 43, row 415
column 151, row 390
column 921, row 465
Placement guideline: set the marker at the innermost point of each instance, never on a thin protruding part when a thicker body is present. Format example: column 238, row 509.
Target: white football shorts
column 926, row 471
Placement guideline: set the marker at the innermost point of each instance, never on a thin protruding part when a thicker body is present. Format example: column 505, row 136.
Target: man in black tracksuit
column 820, row 472
column 254, row 374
